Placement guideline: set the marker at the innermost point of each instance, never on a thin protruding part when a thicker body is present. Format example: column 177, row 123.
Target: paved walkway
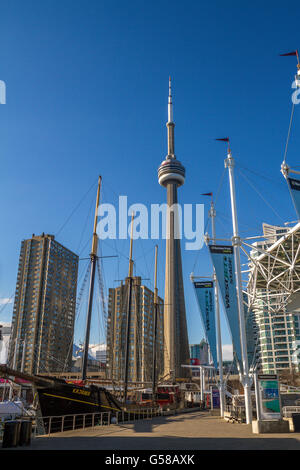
column 196, row 430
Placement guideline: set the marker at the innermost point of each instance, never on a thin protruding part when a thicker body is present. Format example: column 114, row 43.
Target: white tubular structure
column 274, row 292
column 236, row 242
column 212, row 214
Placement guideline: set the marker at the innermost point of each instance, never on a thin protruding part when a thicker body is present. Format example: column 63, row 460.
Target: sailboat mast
column 93, row 257
column 129, row 299
column 155, row 327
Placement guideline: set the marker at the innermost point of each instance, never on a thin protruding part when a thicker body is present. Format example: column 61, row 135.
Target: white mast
column 236, row 242
column 212, row 214
column 285, row 169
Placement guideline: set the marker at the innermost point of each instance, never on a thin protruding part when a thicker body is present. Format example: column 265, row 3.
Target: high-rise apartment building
column 195, row 351
column 274, row 300
column 101, row 354
column 200, row 351
column 44, row 307
column 141, row 334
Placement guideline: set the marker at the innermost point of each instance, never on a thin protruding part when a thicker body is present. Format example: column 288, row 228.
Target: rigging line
column 289, row 132
column 77, row 313
column 228, row 219
column 75, row 209
column 146, row 264
column 217, row 197
column 69, row 355
column 82, row 273
column 78, row 304
column 101, row 333
column 79, row 298
column 117, row 251
column 144, row 256
column 136, row 268
column 101, row 294
column 85, row 224
column 256, row 190
column 272, row 180
column 208, row 218
column 226, row 233
column 88, row 241
column 220, row 186
column 8, row 302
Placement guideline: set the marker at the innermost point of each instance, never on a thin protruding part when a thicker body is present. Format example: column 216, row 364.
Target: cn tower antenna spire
column 170, row 104
column 170, row 125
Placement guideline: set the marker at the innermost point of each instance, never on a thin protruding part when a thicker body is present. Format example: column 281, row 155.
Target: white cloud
column 227, row 352
column 93, row 348
column 4, row 301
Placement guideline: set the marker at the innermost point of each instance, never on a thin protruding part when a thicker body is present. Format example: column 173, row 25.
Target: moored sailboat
column 58, row 397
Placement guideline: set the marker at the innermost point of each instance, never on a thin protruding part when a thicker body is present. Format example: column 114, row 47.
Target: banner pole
column 201, row 384
column 236, row 242
column 212, row 214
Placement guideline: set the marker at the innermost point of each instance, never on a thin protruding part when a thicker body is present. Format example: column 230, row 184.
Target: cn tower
column 171, row 175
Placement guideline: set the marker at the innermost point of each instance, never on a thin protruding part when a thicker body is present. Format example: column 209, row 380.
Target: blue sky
column 87, row 85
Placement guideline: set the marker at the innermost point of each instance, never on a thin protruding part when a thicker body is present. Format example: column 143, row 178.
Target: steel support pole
column 201, row 383
column 257, row 397
column 212, row 214
column 236, row 242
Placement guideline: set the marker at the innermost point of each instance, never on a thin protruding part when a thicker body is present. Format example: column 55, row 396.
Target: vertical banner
column 249, row 325
column 223, row 261
column 206, row 300
column 215, row 395
column 294, row 186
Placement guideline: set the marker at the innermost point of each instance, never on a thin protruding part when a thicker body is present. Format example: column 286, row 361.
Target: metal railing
column 289, row 388
column 287, row 411
column 52, row 424
column 237, row 413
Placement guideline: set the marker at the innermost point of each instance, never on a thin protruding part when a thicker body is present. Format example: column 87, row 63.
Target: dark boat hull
column 67, row 406
column 67, row 399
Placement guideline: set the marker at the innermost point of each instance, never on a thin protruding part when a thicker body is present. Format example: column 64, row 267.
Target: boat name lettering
column 81, row 392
